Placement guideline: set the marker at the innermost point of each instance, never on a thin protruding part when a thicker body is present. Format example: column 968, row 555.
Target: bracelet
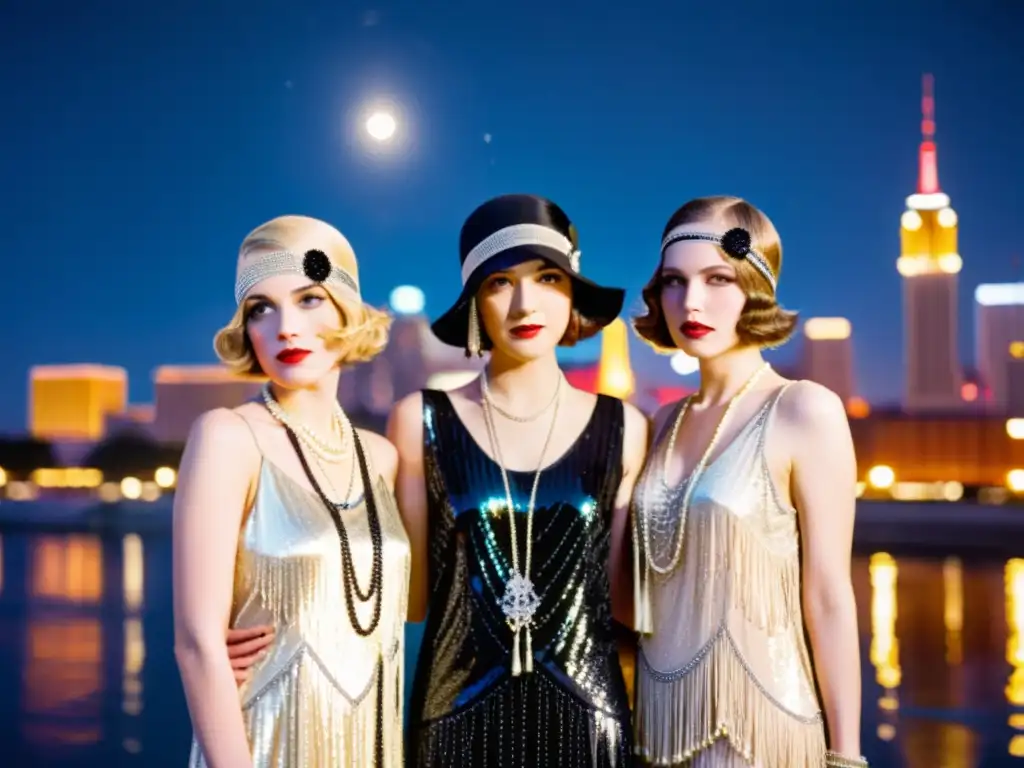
column 836, row 760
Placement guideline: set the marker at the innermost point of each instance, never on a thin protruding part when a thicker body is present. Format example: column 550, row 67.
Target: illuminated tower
column 828, row 355
column 929, row 263
column 614, row 375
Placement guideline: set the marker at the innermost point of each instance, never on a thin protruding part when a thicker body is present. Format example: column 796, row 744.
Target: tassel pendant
column 474, row 348
column 516, row 665
column 529, row 651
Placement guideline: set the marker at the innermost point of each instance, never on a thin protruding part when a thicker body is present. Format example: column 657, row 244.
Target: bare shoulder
column 222, row 429
column 383, row 453
column 807, row 403
column 405, row 426
column 637, row 424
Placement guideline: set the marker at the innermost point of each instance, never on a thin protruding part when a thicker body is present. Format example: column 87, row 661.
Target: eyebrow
column 712, row 268
column 261, row 297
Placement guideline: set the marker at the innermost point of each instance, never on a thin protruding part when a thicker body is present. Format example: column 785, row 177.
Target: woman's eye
column 498, row 282
column 720, row 280
column 258, row 309
column 551, row 277
column 671, row 281
column 311, row 300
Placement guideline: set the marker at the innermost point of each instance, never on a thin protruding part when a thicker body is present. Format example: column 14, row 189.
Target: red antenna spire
column 928, row 166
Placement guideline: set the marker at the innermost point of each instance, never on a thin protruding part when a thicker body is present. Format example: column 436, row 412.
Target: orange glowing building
column 929, row 263
column 72, row 402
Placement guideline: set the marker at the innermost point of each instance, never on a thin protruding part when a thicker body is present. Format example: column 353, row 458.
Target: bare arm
column 214, row 480
column 824, row 476
column 405, row 431
column 634, row 451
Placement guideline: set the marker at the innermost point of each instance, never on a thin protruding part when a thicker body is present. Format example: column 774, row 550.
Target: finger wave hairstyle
column 364, row 329
column 763, row 323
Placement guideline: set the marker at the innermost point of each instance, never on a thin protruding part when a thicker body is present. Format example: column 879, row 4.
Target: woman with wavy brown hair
column 743, row 521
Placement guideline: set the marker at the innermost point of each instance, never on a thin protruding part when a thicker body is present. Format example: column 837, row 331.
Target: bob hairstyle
column 364, row 329
column 763, row 323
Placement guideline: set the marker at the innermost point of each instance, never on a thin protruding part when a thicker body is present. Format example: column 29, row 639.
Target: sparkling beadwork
column 736, row 242
column 316, row 265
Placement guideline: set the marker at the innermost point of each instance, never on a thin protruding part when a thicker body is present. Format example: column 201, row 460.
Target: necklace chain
column 520, row 600
column 514, row 417
column 690, row 481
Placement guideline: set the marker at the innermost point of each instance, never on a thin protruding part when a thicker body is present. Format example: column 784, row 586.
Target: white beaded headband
column 513, row 237
column 735, row 243
column 314, row 264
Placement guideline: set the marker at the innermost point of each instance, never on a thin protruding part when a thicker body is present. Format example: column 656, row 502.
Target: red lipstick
column 292, row 356
column 692, row 330
column 526, row 331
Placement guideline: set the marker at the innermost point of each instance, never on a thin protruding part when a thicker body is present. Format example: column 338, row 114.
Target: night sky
column 139, row 144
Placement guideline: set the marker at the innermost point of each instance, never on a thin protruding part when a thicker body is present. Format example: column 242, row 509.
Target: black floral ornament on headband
column 736, row 243
column 316, row 265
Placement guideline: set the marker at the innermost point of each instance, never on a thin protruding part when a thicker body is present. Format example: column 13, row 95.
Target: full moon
column 381, row 126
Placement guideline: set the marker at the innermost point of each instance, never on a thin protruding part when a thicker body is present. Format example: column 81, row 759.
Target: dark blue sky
column 139, row 145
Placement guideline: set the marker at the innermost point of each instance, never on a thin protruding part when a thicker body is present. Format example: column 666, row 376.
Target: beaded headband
column 735, row 243
column 315, row 265
column 513, row 237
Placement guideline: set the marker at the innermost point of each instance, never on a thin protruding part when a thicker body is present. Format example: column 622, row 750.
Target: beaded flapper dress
column 323, row 695
column 467, row 708
column 725, row 678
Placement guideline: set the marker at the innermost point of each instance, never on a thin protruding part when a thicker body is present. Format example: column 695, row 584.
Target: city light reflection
column 885, row 652
column 1014, row 583
column 953, row 609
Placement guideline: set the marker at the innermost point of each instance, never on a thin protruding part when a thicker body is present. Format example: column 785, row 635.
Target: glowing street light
column 407, row 300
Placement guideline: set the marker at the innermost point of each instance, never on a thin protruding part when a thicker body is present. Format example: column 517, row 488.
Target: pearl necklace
column 333, row 454
column 520, row 601
column 691, row 482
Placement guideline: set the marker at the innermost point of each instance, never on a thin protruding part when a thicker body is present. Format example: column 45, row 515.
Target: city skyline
column 119, row 186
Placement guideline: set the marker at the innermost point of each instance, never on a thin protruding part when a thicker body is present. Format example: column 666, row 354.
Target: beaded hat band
column 735, row 243
column 314, row 264
column 516, row 236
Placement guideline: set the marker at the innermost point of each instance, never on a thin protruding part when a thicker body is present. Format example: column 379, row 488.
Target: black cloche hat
column 511, row 229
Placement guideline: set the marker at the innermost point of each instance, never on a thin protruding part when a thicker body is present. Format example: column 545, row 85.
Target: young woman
column 743, row 521
column 284, row 517
column 515, row 491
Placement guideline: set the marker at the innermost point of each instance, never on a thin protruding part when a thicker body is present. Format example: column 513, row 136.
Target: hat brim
column 597, row 303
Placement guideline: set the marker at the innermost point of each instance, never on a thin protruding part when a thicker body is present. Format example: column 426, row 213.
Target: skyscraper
column 999, row 341
column 828, row 355
column 929, row 263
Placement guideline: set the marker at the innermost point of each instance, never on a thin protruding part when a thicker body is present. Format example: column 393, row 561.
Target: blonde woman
column 284, row 517
column 743, row 521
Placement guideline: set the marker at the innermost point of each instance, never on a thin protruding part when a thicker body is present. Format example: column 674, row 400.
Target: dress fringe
column 680, row 714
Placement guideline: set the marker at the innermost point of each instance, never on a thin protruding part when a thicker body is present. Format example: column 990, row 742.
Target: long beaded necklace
column 349, row 580
column 691, row 481
column 520, row 601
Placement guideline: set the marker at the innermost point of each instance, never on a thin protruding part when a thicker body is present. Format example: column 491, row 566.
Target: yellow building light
column 1015, row 429
column 1017, row 350
column 858, row 408
column 947, row 218
column 614, row 375
column 950, row 263
column 1015, row 480
column 3, row 477
column 165, row 477
column 881, row 477
column 827, row 328
column 910, row 221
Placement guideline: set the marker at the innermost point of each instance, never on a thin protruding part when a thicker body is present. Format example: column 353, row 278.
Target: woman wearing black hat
column 518, row 664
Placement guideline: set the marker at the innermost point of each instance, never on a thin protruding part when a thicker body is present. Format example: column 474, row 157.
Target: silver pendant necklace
column 520, row 601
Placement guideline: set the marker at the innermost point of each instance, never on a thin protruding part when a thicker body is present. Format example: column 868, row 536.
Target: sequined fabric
column 467, row 709
column 725, row 679
column 313, row 699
